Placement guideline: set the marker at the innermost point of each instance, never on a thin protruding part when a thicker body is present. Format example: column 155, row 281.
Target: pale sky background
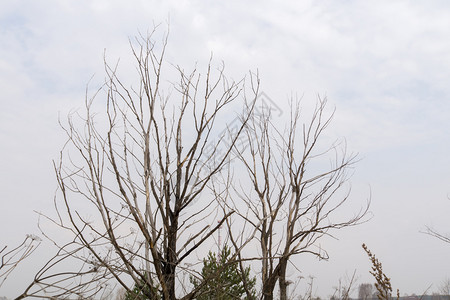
column 384, row 65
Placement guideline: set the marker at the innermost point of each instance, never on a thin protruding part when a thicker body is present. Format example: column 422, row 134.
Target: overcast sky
column 384, row 65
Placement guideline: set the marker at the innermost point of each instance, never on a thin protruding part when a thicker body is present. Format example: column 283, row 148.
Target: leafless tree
column 134, row 180
column 11, row 258
column 444, row 287
column 296, row 192
column 365, row 291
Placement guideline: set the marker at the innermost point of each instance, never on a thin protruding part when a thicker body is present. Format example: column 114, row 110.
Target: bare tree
column 134, row 180
column 444, row 287
column 142, row 184
column 295, row 193
column 365, row 291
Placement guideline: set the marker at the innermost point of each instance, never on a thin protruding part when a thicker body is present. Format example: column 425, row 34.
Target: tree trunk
column 282, row 279
column 268, row 290
column 269, row 285
column 171, row 258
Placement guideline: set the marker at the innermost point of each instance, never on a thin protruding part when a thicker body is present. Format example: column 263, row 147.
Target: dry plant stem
column 343, row 290
column 382, row 282
column 142, row 164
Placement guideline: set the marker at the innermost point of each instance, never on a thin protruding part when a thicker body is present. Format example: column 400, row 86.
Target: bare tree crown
column 141, row 182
